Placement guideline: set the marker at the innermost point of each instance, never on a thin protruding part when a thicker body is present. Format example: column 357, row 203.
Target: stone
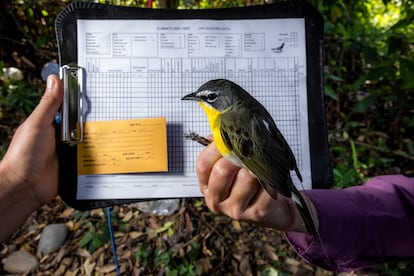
column 52, row 238
column 20, row 262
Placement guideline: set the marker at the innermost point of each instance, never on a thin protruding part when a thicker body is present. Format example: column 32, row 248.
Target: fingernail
column 50, row 82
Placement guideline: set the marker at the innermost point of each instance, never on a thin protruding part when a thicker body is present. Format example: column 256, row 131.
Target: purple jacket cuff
column 361, row 226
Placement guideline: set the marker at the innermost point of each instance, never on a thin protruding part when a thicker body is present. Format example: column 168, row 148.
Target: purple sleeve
column 361, row 226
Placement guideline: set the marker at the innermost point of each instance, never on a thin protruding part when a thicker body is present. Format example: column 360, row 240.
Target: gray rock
column 20, row 262
column 53, row 236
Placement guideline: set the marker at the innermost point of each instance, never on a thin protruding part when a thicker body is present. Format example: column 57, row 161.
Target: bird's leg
column 195, row 137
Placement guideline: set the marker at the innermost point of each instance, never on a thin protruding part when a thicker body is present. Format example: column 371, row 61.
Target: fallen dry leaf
column 67, row 213
column 128, row 216
column 236, row 225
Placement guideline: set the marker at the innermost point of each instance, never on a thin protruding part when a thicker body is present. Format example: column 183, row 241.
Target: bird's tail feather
column 305, row 214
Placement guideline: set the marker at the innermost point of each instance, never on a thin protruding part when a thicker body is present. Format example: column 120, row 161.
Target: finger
column 50, row 102
column 204, row 164
column 220, row 182
column 243, row 191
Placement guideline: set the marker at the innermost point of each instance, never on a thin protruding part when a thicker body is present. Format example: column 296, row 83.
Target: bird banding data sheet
column 139, row 69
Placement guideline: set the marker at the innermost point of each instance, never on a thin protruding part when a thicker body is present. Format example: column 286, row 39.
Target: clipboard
column 75, row 79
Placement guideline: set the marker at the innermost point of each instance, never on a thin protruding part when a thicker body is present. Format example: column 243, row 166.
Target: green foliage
column 78, row 215
column 129, row 3
column 369, row 84
column 3, row 150
column 18, row 96
column 17, row 100
column 169, row 261
column 193, row 251
column 97, row 233
column 167, row 227
column 395, row 269
column 143, row 255
column 95, row 238
column 346, row 174
column 36, row 24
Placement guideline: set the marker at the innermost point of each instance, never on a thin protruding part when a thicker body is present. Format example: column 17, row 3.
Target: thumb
column 50, row 102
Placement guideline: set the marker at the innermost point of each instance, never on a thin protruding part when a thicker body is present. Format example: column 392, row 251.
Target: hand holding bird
column 245, row 134
column 232, row 191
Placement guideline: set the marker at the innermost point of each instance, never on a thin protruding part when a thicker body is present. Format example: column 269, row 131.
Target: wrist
column 17, row 201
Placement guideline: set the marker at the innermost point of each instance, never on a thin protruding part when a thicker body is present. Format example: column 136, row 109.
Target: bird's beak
column 191, row 97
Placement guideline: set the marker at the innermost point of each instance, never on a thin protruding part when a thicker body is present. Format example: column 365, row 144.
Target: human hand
column 233, row 191
column 29, row 170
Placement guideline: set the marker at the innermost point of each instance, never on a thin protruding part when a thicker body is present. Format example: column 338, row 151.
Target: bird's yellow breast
column 213, row 116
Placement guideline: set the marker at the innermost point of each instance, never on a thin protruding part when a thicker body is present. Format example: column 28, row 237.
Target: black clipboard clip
column 73, row 78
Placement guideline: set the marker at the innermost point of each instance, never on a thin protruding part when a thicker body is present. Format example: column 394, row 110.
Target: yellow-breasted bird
column 245, row 134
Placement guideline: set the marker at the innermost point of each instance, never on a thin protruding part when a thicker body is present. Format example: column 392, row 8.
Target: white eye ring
column 212, row 97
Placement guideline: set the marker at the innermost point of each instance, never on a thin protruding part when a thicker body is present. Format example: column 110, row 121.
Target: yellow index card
column 124, row 146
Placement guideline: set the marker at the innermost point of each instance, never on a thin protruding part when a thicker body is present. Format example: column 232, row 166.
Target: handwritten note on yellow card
column 123, row 146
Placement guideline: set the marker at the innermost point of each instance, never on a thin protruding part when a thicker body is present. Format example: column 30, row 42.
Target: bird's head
column 219, row 94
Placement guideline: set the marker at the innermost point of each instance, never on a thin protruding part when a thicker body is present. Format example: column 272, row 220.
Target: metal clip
column 72, row 106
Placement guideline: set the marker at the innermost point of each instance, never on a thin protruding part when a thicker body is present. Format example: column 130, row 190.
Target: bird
column 278, row 49
column 246, row 134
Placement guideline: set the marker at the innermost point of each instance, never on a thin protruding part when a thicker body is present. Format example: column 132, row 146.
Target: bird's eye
column 211, row 97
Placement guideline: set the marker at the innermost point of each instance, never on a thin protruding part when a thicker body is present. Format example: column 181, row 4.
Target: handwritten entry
column 123, row 146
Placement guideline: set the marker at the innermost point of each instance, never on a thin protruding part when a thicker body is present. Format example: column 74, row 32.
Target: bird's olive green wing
column 255, row 139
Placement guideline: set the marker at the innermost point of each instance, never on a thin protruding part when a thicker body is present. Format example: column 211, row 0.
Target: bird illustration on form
column 246, row 134
column 278, row 49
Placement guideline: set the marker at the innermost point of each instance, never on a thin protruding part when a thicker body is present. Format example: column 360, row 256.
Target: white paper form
column 142, row 68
